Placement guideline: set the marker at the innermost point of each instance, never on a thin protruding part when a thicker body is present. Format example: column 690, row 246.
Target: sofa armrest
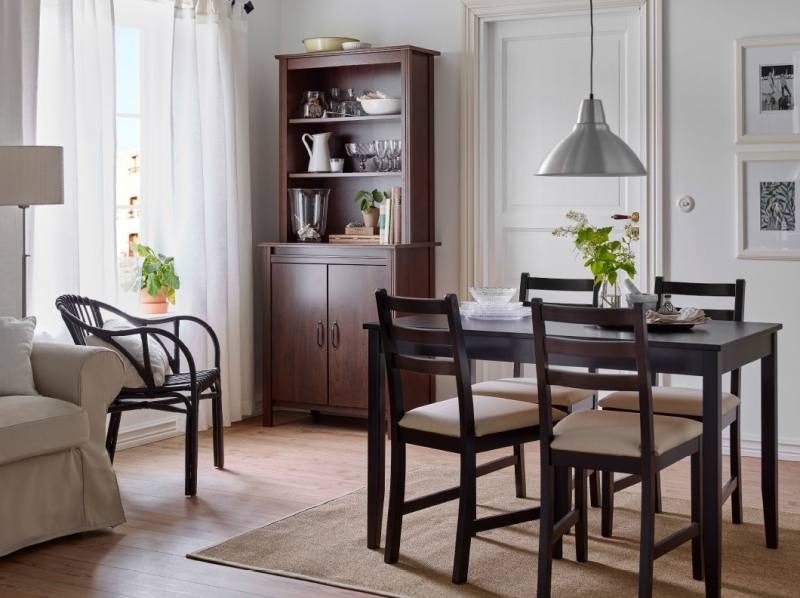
column 90, row 377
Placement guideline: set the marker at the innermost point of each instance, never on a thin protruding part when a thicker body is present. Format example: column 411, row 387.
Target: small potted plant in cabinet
column 367, row 201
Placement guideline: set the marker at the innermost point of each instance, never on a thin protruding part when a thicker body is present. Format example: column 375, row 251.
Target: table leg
column 712, row 472
column 769, row 442
column 376, row 441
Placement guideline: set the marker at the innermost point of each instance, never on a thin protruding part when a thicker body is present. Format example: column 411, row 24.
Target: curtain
column 73, row 245
column 199, row 211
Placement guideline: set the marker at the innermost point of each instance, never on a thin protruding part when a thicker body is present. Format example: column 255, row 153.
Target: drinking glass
column 361, row 152
column 382, row 152
column 395, row 149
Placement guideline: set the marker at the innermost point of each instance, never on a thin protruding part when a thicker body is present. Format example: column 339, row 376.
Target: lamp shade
column 31, row 175
column 591, row 149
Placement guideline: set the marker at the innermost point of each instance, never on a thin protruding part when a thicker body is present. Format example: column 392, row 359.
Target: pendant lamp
column 591, row 149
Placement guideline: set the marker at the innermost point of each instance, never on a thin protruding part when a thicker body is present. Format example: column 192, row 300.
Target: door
column 351, row 302
column 299, row 333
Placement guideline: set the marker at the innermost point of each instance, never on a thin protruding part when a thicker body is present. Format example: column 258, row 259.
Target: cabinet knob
column 335, row 335
column 320, row 333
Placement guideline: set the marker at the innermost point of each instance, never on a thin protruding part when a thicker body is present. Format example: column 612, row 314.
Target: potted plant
column 367, row 201
column 157, row 281
column 604, row 256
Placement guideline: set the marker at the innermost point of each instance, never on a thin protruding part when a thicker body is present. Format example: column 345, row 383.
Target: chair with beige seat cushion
column 688, row 402
column 466, row 425
column 524, row 389
column 636, row 443
column 55, row 475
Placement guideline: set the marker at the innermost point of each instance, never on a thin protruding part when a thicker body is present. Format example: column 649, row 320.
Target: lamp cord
column 591, row 49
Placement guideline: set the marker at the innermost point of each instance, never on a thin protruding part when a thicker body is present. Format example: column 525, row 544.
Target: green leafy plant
column 157, row 272
column 368, row 199
column 604, row 256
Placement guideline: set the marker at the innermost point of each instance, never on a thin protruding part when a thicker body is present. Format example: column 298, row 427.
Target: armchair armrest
column 90, row 377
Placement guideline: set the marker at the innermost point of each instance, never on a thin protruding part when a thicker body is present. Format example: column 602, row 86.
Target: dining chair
column 180, row 392
column 638, row 443
column 466, row 425
column 523, row 388
column 687, row 402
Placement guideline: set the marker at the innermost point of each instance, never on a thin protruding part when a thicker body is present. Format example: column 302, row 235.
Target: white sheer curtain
column 200, row 210
column 73, row 245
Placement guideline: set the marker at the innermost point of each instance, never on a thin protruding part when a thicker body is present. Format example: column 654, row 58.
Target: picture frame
column 768, row 185
column 767, row 82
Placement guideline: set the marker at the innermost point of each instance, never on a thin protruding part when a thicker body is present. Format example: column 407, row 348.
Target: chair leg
column 191, row 446
column 113, row 432
column 647, row 538
column 697, row 509
column 546, row 525
column 582, row 527
column 562, row 502
column 607, row 522
column 659, row 508
column 594, row 490
column 466, row 509
column 397, row 489
column 736, row 468
column 219, row 427
column 519, row 470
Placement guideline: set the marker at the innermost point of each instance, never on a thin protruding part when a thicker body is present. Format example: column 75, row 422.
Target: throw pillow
column 16, row 344
column 159, row 361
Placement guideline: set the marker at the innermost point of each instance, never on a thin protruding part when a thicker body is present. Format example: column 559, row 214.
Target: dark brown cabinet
column 317, row 296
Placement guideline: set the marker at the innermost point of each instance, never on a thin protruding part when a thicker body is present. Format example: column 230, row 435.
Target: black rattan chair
column 181, row 391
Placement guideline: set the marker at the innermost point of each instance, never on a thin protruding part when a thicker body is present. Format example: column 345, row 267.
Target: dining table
column 707, row 351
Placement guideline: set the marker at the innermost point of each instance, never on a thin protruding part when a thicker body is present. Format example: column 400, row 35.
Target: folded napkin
column 688, row 315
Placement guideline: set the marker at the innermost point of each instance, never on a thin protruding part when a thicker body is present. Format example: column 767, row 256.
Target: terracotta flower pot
column 153, row 305
column 371, row 217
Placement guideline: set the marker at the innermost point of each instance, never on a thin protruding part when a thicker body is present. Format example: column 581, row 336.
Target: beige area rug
column 327, row 544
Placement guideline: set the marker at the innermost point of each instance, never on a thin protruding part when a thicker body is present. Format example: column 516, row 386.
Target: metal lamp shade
column 591, row 149
column 31, row 175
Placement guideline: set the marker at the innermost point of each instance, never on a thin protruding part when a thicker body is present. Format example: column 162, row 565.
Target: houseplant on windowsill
column 604, row 256
column 157, row 280
column 367, row 202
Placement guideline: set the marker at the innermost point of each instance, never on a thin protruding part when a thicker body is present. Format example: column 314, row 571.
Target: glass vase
column 610, row 295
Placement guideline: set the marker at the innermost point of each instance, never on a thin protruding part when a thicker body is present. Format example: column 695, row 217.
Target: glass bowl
column 492, row 295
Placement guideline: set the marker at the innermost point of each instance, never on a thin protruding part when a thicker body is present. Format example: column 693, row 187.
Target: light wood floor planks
column 271, row 473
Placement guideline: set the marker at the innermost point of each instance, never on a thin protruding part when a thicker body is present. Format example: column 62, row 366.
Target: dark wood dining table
column 707, row 351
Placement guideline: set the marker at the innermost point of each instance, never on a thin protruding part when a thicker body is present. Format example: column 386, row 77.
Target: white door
column 534, row 74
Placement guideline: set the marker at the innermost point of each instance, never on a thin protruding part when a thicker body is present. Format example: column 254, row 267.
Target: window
column 128, row 131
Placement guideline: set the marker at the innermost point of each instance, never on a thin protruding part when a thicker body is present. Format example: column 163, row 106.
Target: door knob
column 633, row 217
column 320, row 333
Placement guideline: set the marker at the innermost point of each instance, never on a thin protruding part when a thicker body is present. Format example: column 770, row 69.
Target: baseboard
column 147, row 432
column 751, row 447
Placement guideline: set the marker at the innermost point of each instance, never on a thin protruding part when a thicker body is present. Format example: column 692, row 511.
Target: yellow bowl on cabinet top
column 326, row 44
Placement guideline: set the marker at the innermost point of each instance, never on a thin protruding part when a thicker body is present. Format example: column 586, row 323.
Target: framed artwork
column 767, row 72
column 768, row 186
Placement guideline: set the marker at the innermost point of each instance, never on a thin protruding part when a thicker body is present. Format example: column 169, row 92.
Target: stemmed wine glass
column 361, row 152
column 395, row 149
column 382, row 151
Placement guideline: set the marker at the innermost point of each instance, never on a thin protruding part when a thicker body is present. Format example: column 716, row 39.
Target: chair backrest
column 530, row 283
column 706, row 289
column 84, row 313
column 438, row 352
column 632, row 354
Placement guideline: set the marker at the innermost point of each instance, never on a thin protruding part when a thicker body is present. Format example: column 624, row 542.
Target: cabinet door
column 299, row 333
column 351, row 302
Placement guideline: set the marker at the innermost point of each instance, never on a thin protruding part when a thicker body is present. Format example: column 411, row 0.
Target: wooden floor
column 271, row 473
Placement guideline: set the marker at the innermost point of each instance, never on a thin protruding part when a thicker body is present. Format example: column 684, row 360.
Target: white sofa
column 55, row 475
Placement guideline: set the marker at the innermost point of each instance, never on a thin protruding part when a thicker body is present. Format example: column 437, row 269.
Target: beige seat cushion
column 617, row 433
column 525, row 389
column 492, row 415
column 668, row 400
column 36, row 425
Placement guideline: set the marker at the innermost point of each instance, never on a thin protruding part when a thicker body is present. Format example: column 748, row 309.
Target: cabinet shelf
column 345, row 119
column 341, row 175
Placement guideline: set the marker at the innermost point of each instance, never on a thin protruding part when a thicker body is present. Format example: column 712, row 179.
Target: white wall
column 699, row 125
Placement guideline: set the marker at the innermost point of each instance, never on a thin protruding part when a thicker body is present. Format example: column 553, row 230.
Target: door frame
column 478, row 14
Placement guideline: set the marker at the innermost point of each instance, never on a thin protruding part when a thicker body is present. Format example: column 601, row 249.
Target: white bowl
column 326, row 44
column 489, row 295
column 381, row 106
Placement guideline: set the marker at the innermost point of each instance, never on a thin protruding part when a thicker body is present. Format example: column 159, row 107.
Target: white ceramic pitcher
column 319, row 155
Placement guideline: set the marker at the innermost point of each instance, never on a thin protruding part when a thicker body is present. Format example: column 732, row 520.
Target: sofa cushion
column 36, row 425
column 159, row 361
column 16, row 343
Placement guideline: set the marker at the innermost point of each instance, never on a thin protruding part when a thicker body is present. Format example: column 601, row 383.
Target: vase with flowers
column 605, row 256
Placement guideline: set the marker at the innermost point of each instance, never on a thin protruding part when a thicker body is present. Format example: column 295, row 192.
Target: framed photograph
column 768, row 186
column 767, row 71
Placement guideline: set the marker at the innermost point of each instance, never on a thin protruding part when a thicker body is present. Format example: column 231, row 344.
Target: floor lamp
column 30, row 175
